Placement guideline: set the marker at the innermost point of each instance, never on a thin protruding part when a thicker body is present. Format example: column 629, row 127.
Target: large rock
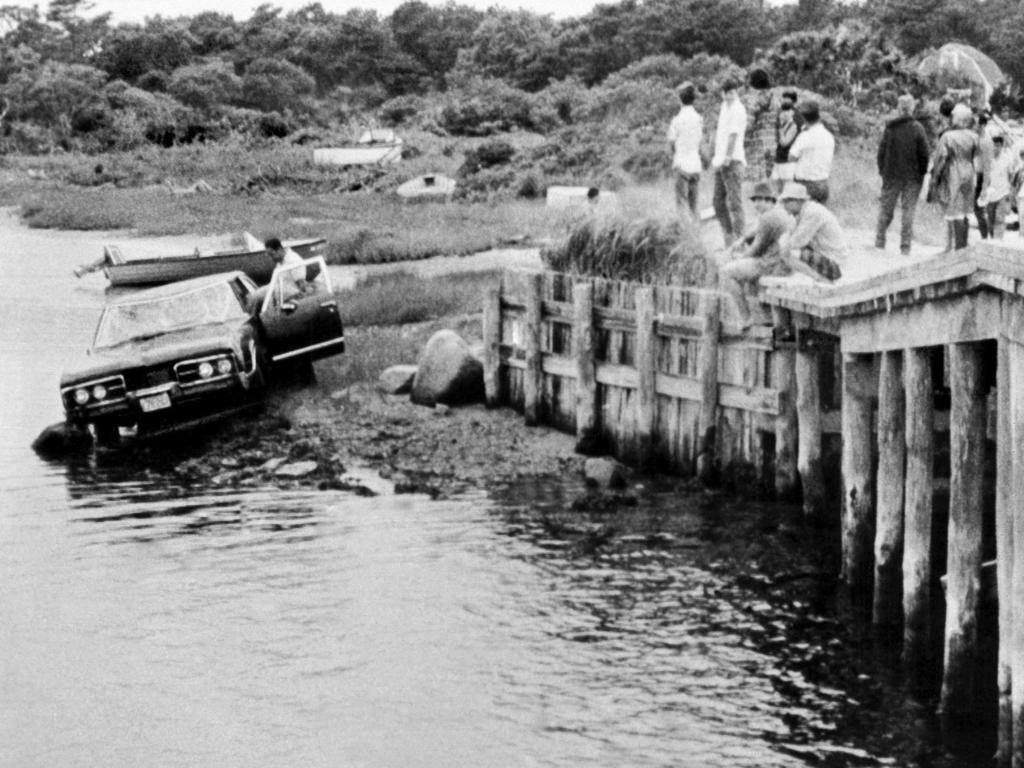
column 397, row 380
column 604, row 473
column 61, row 439
column 447, row 372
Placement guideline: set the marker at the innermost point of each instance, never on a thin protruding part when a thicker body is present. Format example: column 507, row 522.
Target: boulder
column 397, row 380
column 61, row 439
column 447, row 372
column 296, row 469
column 604, row 473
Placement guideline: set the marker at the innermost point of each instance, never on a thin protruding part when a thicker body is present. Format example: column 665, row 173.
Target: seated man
column 815, row 247
column 756, row 255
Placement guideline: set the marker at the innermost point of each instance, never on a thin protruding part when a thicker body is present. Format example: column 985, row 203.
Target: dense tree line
column 67, row 75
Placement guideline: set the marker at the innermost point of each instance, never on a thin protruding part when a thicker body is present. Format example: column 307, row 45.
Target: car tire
column 106, row 433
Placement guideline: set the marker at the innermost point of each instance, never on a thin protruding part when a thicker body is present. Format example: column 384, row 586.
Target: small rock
column 296, row 469
column 441, row 409
column 341, row 394
column 230, row 463
column 271, row 465
column 397, row 380
column 604, row 473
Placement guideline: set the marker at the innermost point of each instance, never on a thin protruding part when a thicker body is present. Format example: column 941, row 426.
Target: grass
column 400, row 298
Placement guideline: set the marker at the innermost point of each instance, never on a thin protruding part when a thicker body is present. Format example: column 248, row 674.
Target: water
column 142, row 624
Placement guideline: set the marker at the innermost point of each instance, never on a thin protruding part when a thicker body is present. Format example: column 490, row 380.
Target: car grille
column 143, row 378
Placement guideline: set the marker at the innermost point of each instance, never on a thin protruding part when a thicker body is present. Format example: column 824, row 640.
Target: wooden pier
column 911, row 382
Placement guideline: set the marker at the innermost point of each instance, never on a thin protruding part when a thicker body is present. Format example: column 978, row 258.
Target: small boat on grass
column 248, row 256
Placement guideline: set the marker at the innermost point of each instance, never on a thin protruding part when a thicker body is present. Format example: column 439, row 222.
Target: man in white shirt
column 289, row 265
column 729, row 163
column 684, row 136
column 812, row 152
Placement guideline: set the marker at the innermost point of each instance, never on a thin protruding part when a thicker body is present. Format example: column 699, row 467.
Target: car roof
column 176, row 288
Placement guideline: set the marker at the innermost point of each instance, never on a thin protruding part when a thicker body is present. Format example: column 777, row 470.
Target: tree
column 205, row 86
column 515, row 46
column 131, row 50
column 432, row 36
column 276, row 85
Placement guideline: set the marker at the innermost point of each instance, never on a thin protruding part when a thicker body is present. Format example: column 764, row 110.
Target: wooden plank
column 887, row 612
column 707, row 370
column 858, row 534
column 586, row 382
column 1016, row 397
column 958, row 699
column 1005, row 543
column 809, row 430
column 752, row 399
column 918, row 500
column 646, row 363
column 492, row 347
column 786, row 425
column 532, row 378
column 965, row 318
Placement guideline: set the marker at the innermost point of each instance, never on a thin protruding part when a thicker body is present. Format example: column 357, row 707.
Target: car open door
column 300, row 312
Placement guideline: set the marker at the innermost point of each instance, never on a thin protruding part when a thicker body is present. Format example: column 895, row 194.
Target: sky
column 137, row 10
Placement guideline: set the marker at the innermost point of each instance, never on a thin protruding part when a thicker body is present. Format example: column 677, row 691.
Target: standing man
column 812, row 151
column 982, row 169
column 729, row 162
column 902, row 163
column 684, row 136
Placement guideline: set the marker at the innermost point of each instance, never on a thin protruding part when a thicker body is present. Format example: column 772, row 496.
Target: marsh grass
column 400, row 298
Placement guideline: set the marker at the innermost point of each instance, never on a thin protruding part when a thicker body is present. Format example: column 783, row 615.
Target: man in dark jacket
column 902, row 163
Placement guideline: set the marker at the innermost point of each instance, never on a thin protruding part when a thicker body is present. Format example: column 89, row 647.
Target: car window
column 286, row 281
column 212, row 303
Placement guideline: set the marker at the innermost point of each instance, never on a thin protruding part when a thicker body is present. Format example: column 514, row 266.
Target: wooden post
column 918, row 501
column 707, row 374
column 786, row 424
column 492, row 347
column 958, row 705
column 533, row 376
column 1016, row 591
column 1004, row 555
column 586, row 368
column 646, row 365
column 887, row 606
column 858, row 534
column 808, row 407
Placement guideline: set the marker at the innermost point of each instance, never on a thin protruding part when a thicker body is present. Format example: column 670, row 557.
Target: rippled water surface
column 155, row 626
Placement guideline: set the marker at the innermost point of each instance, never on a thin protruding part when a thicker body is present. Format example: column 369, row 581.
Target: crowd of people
column 780, row 147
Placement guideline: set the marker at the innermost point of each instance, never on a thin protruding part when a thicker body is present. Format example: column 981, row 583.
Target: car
column 175, row 355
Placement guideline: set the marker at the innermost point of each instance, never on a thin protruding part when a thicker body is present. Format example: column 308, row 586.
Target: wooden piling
column 786, row 424
column 646, row 365
column 918, row 501
column 1016, row 590
column 858, row 533
column 887, row 604
column 492, row 347
column 1004, row 554
column 533, row 376
column 707, row 371
column 586, row 368
column 808, row 407
column 958, row 705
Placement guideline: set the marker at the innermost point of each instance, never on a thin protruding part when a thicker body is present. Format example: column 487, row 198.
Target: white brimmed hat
column 794, row 191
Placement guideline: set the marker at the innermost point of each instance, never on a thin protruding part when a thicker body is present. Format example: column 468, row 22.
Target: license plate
column 155, row 403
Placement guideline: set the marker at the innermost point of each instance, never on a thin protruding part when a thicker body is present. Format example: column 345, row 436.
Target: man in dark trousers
column 902, row 163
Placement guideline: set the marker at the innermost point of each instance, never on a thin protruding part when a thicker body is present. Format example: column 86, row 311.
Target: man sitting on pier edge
column 815, row 246
column 756, row 255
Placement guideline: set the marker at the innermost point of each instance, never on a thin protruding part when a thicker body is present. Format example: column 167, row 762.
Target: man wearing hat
column 812, row 151
column 815, row 246
column 758, row 254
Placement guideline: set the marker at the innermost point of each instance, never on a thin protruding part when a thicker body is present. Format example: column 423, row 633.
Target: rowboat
column 250, row 257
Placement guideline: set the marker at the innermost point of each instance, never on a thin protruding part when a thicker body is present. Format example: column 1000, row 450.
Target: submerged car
column 171, row 356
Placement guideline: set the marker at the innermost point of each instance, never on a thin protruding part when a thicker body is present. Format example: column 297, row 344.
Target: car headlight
column 99, row 392
column 205, row 370
column 224, row 366
column 81, row 396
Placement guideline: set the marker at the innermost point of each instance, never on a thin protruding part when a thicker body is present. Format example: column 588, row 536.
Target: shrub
column 485, row 107
column 203, row 86
column 401, row 109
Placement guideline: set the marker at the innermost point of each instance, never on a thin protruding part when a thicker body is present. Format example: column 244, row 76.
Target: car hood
column 165, row 348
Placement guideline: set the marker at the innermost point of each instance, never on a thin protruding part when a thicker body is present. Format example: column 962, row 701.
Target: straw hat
column 794, row 191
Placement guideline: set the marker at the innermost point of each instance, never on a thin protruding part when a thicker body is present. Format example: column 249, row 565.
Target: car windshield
column 213, row 303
